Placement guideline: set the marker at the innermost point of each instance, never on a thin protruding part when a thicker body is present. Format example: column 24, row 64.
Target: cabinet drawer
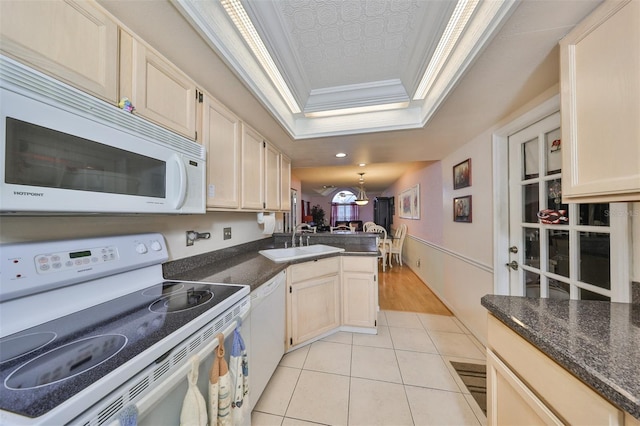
column 359, row 264
column 567, row 396
column 315, row 268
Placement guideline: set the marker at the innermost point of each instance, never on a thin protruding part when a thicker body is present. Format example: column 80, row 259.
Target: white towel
column 194, row 408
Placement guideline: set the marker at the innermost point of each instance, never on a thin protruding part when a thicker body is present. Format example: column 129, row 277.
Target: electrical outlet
column 227, row 233
column 418, row 263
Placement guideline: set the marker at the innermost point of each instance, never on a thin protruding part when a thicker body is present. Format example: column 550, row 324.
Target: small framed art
column 462, row 174
column 462, row 209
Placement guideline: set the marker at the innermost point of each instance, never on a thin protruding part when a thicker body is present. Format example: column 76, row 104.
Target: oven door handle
column 147, row 402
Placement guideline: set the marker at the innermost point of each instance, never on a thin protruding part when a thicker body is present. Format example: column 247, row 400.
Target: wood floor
column 400, row 289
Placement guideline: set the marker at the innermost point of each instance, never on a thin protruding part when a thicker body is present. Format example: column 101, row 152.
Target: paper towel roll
column 268, row 221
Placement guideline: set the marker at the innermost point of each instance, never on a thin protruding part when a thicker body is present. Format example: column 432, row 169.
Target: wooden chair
column 396, row 244
column 341, row 228
column 384, row 245
column 367, row 225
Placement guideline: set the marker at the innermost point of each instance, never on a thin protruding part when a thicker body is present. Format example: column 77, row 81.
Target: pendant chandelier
column 362, row 199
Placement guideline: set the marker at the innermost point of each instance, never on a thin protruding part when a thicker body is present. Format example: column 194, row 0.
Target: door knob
column 513, row 249
column 513, row 265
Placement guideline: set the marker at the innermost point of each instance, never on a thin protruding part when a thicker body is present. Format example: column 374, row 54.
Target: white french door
column 558, row 250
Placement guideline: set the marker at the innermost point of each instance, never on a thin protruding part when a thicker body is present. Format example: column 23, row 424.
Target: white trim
column 501, row 191
column 620, row 257
column 459, row 256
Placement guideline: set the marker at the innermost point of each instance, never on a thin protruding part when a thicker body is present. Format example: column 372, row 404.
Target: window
column 343, row 207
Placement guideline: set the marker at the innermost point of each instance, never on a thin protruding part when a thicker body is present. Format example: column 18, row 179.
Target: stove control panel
column 28, row 268
column 61, row 261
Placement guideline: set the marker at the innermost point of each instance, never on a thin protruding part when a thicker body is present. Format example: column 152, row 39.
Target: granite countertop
column 244, row 264
column 598, row 342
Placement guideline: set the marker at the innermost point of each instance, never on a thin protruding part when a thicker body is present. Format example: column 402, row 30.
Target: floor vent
column 474, row 377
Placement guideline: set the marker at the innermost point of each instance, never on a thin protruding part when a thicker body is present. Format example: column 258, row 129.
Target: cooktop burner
column 11, row 348
column 180, row 301
column 43, row 366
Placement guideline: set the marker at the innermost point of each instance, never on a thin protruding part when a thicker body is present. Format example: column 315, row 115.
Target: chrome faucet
column 293, row 234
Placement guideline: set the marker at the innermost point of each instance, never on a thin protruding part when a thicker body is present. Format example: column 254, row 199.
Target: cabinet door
column 74, row 41
column 359, row 299
column 314, row 308
column 272, row 177
column 511, row 402
column 252, row 169
column 220, row 133
column 600, row 65
column 159, row 91
column 285, row 183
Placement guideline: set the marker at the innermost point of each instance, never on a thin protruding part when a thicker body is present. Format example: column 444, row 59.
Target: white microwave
column 66, row 152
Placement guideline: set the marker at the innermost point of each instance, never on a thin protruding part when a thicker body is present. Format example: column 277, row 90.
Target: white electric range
column 90, row 326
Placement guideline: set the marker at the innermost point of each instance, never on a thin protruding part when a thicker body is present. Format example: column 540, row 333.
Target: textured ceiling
column 324, row 47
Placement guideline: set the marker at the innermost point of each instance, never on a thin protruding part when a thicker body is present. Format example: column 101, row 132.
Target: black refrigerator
column 383, row 209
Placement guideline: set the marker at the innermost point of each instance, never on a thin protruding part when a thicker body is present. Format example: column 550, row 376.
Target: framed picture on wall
column 462, row 174
column 415, row 200
column 410, row 203
column 462, row 209
column 406, row 203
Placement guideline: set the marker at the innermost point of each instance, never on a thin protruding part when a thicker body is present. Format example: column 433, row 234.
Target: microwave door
column 57, row 161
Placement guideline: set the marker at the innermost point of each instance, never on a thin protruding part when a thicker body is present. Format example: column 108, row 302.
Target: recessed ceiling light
column 341, row 155
column 362, row 164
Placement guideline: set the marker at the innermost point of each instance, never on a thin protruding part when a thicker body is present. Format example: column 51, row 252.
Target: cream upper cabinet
column 285, row 183
column 74, row 41
column 220, row 131
column 600, row 91
column 359, row 291
column 525, row 386
column 252, row 169
column 271, row 177
column 313, row 299
column 159, row 91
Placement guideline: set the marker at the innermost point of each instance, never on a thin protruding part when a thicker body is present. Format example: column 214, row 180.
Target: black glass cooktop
column 43, row 366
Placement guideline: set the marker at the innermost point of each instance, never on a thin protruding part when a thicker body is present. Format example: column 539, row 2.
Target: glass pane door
column 557, row 250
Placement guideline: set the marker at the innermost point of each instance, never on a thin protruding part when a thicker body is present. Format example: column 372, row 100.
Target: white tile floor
column 401, row 376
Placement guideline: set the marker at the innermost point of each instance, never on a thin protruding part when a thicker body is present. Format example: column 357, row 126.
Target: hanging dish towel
column 220, row 389
column 239, row 368
column 194, row 408
column 129, row 416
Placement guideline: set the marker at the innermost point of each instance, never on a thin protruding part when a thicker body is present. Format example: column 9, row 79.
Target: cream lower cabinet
column 159, row 91
column 313, row 305
column 524, row 386
column 359, row 291
column 220, row 132
column 74, row 41
column 600, row 87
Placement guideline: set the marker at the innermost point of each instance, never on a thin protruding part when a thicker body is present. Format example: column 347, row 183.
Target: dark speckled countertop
column 242, row 264
column 598, row 342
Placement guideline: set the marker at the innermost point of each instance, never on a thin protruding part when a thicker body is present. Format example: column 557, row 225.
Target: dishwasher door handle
column 268, row 288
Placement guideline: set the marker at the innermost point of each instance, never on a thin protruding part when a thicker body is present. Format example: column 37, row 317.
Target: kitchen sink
column 293, row 253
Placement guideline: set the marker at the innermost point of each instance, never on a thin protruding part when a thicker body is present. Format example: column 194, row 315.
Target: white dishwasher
column 267, row 325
